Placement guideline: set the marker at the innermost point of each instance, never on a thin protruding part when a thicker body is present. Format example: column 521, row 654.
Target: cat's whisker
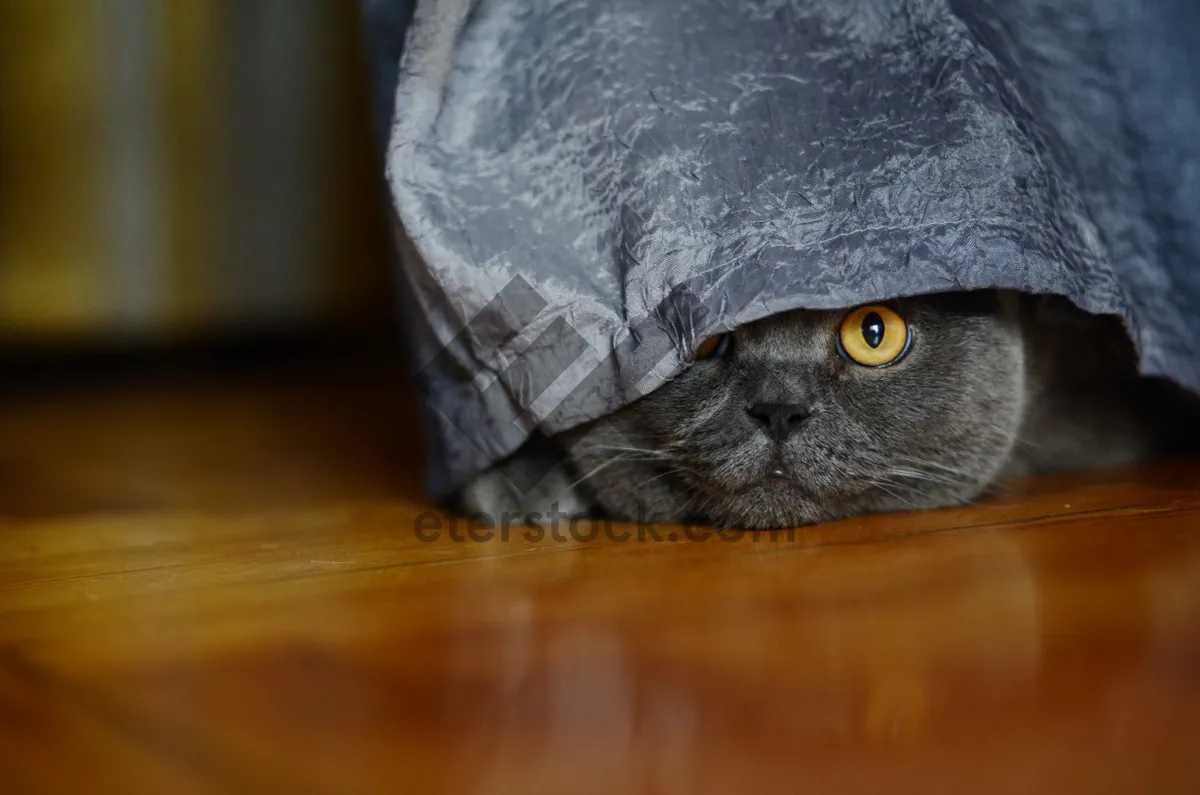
column 920, row 474
column 668, row 472
column 595, row 470
column 911, row 478
column 1021, row 442
column 708, row 495
column 681, row 510
column 884, row 483
column 708, row 499
column 921, row 462
column 959, row 500
column 625, row 454
column 944, row 473
column 631, row 455
column 612, row 448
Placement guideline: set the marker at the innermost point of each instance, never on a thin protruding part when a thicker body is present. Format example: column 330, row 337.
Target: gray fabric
column 650, row 171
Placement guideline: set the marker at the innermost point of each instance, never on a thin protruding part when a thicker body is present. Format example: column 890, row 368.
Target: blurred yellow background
column 172, row 168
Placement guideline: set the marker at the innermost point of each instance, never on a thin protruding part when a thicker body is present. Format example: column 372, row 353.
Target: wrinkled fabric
column 585, row 189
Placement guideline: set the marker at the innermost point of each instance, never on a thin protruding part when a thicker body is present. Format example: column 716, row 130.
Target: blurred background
column 187, row 172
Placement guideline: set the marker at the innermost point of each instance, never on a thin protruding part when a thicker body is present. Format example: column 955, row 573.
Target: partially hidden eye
column 873, row 336
column 713, row 347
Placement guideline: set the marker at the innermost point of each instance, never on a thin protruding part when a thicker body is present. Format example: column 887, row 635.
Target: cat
column 812, row 416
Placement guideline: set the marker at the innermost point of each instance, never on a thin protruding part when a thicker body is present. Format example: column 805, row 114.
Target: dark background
column 193, row 182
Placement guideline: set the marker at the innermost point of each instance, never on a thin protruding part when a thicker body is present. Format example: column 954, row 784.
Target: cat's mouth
column 773, row 476
column 778, row 475
column 779, row 480
column 778, row 471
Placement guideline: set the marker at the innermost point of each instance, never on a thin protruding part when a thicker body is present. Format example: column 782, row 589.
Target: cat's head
column 815, row 415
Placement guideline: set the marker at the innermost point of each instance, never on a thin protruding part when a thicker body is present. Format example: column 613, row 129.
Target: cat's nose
column 779, row 419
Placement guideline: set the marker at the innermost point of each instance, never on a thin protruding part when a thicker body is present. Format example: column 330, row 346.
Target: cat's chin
column 773, row 502
column 777, row 499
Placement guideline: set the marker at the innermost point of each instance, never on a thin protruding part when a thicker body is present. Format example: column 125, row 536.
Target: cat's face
column 811, row 416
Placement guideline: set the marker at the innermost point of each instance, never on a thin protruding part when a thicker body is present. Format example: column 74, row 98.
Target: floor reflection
column 815, row 651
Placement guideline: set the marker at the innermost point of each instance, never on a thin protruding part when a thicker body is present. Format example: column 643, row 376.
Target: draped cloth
column 585, row 189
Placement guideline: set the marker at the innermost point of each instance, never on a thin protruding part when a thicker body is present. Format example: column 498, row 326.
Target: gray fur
column 995, row 386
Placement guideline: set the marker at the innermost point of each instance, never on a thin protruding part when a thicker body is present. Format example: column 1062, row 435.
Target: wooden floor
column 221, row 588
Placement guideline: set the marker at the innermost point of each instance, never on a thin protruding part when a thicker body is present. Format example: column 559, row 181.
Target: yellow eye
column 716, row 345
column 873, row 336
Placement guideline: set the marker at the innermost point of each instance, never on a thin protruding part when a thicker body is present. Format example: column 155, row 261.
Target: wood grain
column 219, row 588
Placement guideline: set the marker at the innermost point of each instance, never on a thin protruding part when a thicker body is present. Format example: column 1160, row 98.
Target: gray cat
column 811, row 416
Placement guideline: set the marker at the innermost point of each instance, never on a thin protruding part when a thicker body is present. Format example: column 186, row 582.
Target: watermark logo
column 561, row 527
column 514, row 389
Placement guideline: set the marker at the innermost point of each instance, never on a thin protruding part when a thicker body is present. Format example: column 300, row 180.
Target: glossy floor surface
column 231, row 588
